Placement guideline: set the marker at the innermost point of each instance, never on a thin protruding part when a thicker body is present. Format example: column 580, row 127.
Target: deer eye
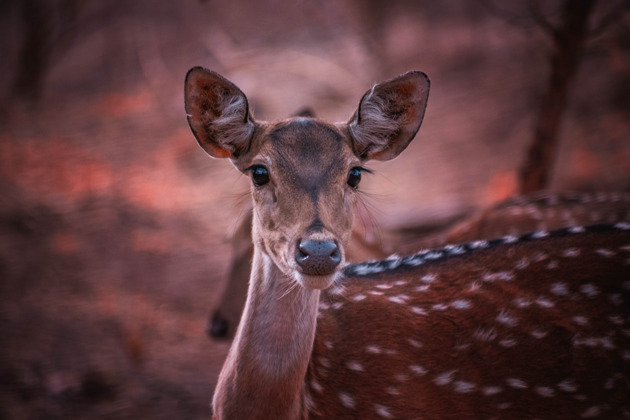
column 354, row 177
column 260, row 175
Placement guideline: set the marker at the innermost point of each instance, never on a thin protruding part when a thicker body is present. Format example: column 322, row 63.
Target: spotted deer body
column 529, row 327
column 515, row 216
column 496, row 330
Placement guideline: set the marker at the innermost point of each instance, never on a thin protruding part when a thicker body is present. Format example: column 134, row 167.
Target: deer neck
column 265, row 369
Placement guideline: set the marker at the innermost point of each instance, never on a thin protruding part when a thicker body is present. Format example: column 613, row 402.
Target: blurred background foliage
column 113, row 221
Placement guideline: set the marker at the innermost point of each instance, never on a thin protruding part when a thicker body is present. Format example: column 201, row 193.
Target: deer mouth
column 316, row 282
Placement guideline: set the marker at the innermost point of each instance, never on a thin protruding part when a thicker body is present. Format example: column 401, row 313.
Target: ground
column 113, row 221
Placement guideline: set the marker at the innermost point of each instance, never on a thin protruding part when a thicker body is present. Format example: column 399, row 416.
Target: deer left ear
column 389, row 116
column 218, row 114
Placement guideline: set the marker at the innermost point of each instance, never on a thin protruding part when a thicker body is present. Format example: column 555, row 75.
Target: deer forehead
column 306, row 154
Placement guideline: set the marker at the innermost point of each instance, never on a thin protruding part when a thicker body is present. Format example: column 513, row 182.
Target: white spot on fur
column 415, row 261
column 622, row 226
column 604, row 342
column 445, row 378
column 522, row 264
column 559, row 289
column 455, row 249
column 383, row 411
column 510, row 239
column 485, row 334
column 364, row 269
column 373, row 349
column 539, row 333
column 418, row 370
column 580, row 320
column 501, row 275
column 433, row 255
column 520, row 302
column 316, row 386
column 590, row 290
column 539, row 256
column 414, row 343
column 605, row 252
column 429, row 278
column 545, row 391
column 400, row 299
column 552, row 265
column 358, row 298
column 516, row 383
column 491, row 390
column 571, row 252
column 423, row 288
column 568, row 385
column 508, row 342
column 594, row 411
column 543, row 302
column 355, row 366
column 461, row 304
column 506, row 319
column 392, row 391
column 346, row 400
column 464, row 387
column 393, row 262
column 475, row 286
column 479, row 244
column 418, row 310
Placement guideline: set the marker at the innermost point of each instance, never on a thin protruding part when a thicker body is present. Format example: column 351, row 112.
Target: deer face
column 304, row 179
column 305, row 172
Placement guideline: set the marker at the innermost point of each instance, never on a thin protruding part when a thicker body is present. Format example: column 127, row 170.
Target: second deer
column 529, row 327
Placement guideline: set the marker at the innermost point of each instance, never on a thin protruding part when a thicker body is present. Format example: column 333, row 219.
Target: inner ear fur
column 389, row 116
column 218, row 113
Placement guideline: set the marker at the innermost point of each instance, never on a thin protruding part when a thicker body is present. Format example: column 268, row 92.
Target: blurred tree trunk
column 568, row 45
column 49, row 28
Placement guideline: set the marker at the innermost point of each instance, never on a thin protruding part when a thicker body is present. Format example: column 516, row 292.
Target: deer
column 223, row 320
column 536, row 326
column 543, row 210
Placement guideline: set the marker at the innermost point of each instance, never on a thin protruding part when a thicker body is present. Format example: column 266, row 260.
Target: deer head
column 305, row 172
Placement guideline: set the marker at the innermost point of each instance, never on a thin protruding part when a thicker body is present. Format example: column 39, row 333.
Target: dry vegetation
column 112, row 219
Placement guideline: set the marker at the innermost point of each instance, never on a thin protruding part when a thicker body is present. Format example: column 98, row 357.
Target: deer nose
column 318, row 258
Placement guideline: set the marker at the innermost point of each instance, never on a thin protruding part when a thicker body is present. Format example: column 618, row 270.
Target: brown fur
column 506, row 329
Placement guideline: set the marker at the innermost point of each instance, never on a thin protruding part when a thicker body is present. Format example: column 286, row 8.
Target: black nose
column 218, row 326
column 318, row 258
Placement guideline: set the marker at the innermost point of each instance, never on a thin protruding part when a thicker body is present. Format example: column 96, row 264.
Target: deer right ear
column 389, row 116
column 218, row 114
